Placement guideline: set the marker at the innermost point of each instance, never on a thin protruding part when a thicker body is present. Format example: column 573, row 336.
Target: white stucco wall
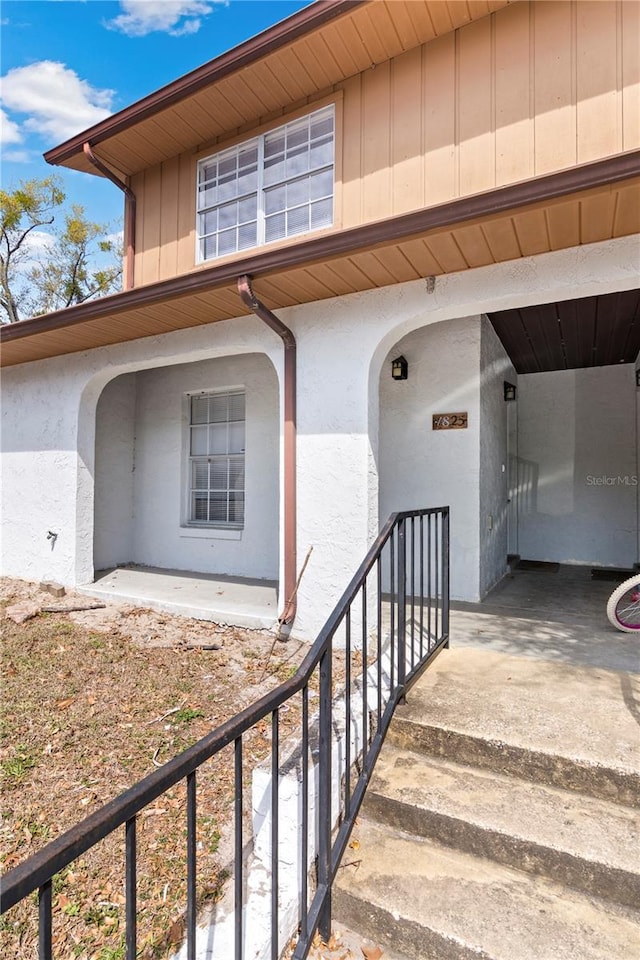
column 48, row 462
column 577, row 453
column 495, row 368
column 48, row 455
column 422, row 467
column 161, row 537
column 114, row 473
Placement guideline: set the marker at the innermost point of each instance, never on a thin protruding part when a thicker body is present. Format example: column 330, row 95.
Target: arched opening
column 186, row 474
column 443, row 441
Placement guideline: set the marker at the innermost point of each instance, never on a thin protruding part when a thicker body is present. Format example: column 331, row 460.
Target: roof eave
column 599, row 173
column 273, row 38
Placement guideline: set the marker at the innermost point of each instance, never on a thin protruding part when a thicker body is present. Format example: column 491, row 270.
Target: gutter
column 129, row 211
column 500, row 200
column 250, row 300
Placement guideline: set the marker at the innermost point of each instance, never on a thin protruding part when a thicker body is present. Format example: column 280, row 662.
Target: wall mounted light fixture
column 399, row 368
column 509, row 390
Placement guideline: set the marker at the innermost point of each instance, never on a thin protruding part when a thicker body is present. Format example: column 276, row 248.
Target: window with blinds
column 267, row 188
column 216, row 459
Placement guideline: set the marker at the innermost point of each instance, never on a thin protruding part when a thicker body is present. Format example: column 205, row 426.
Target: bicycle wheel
column 623, row 608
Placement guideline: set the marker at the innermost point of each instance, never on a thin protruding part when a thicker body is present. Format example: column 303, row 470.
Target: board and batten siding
column 528, row 90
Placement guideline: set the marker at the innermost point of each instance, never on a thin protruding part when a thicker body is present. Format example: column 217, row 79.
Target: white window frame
column 263, row 188
column 228, row 457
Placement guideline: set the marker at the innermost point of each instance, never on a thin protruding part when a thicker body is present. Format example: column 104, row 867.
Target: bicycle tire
column 623, row 608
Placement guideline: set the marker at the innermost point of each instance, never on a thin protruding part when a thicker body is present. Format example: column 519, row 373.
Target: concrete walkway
column 558, row 615
column 226, row 600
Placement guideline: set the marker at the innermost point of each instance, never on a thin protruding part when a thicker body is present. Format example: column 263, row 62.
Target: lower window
column 216, row 459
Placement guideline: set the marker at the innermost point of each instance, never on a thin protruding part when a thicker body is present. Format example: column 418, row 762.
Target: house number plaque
column 450, row 421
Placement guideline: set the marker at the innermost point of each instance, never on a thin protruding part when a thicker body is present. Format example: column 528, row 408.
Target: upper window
column 268, row 188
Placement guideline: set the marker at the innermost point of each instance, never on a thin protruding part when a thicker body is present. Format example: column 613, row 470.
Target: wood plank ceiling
column 589, row 332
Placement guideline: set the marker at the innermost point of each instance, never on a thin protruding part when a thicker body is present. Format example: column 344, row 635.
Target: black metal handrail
column 391, row 621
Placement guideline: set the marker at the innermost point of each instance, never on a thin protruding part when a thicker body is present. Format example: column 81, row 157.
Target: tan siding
column 554, row 44
column 439, row 111
column 169, row 222
column 352, row 153
column 513, row 87
column 528, row 90
column 629, row 75
column 475, row 108
column 186, row 214
column 406, row 132
column 597, row 82
column 376, row 141
column 153, row 203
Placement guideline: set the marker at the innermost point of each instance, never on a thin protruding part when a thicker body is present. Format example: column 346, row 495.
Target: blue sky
column 68, row 63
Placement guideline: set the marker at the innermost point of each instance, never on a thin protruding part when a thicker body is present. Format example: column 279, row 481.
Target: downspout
column 130, row 211
column 290, row 516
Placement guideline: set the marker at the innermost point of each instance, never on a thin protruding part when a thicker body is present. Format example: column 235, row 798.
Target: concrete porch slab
column 227, row 600
column 558, row 615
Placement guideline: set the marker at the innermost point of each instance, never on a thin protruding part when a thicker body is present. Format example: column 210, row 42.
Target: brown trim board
column 585, row 177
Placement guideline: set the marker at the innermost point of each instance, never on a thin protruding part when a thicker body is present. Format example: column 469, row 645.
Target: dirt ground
column 94, row 700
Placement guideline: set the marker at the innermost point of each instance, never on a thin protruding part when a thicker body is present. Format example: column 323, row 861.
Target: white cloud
column 38, row 243
column 57, row 102
column 115, row 238
column 176, row 17
column 16, row 156
column 9, row 130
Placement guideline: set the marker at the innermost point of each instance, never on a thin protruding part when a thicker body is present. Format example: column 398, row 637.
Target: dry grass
column 85, row 712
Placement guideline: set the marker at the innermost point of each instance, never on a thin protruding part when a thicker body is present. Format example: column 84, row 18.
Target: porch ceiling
column 589, row 332
column 500, row 225
column 316, row 48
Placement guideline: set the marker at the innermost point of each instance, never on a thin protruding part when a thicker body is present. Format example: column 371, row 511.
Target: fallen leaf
column 63, row 704
column 372, row 953
column 355, row 844
column 176, row 931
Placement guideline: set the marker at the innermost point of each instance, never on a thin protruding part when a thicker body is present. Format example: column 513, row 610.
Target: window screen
column 216, row 459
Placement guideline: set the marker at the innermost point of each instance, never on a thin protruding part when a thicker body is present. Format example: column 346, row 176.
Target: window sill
column 210, row 533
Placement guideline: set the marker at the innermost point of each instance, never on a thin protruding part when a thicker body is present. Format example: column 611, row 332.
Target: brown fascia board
column 298, row 24
column 587, row 176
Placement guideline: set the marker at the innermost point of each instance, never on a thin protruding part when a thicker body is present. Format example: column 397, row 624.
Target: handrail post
column 324, row 790
column 402, row 608
column 445, row 574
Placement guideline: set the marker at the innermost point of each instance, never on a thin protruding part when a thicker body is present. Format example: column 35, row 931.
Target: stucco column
column 334, row 455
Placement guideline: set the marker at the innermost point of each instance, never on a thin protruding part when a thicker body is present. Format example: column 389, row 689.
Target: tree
column 71, row 263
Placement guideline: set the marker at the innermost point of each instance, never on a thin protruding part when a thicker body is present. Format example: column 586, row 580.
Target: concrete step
column 554, row 723
column 435, row 903
column 591, row 845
